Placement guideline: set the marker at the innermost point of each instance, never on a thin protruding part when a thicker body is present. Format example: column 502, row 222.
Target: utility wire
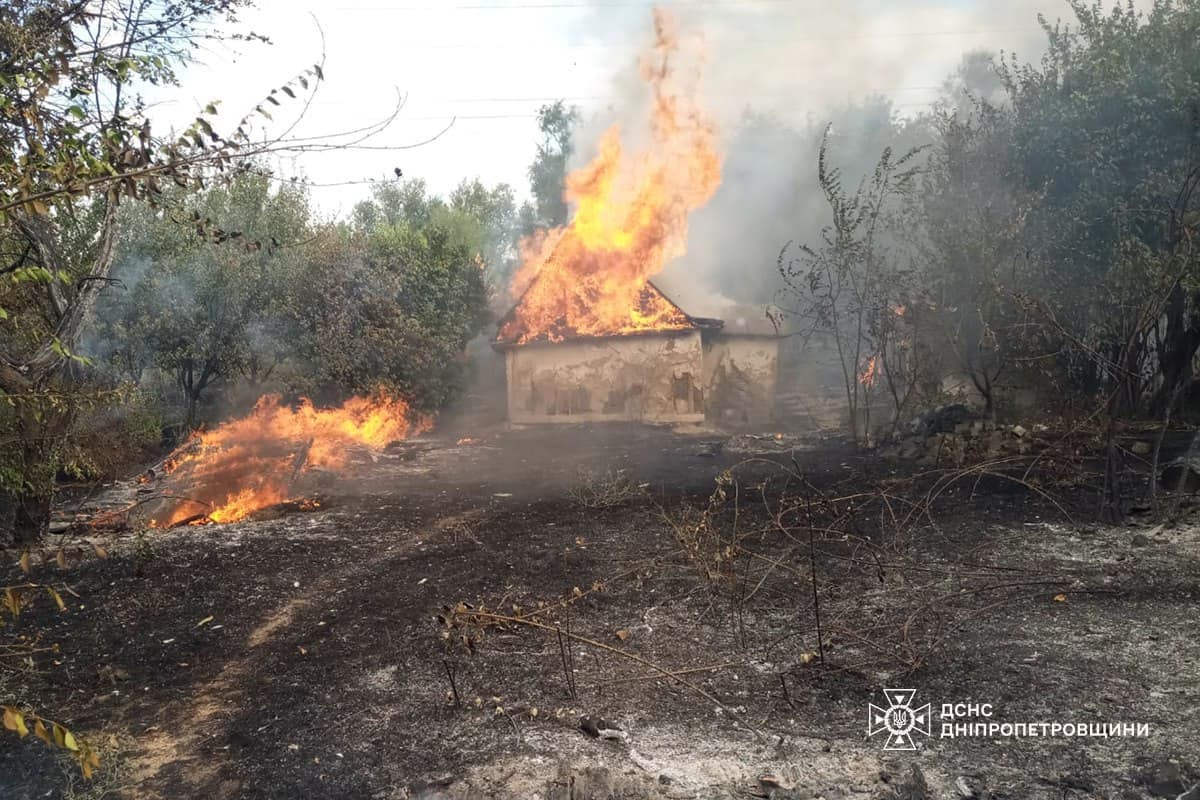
column 583, row 5
column 830, row 37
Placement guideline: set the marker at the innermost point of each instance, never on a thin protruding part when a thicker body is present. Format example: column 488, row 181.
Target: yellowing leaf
column 57, row 598
column 14, row 720
column 39, row 730
column 12, row 601
column 25, row 562
column 64, row 738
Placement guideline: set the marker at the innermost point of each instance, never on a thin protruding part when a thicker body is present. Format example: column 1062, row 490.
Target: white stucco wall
column 740, row 376
column 651, row 378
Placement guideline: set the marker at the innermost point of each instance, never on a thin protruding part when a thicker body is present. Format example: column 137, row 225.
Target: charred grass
column 398, row 640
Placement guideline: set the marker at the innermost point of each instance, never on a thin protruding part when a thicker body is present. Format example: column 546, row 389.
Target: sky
column 476, row 71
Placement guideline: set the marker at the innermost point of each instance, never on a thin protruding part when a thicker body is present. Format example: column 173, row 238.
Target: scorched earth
column 443, row 620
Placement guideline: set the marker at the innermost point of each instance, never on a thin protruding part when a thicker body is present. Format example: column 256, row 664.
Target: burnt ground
column 300, row 655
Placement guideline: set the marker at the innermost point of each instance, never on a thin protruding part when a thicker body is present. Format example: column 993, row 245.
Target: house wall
column 740, row 378
column 651, row 378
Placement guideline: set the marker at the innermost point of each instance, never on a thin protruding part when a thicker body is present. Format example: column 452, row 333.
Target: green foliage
column 205, row 307
column 548, row 172
column 499, row 226
column 845, row 290
column 1052, row 233
column 395, row 304
column 317, row 309
column 1106, row 129
column 965, row 226
column 75, row 141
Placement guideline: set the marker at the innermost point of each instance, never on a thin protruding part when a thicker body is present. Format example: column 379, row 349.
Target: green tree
column 966, row 226
column 548, row 172
column 1106, row 128
column 206, row 305
column 392, row 203
column 393, row 307
column 74, row 141
column 495, row 210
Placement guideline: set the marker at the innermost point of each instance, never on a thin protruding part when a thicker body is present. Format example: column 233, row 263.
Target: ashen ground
column 300, row 656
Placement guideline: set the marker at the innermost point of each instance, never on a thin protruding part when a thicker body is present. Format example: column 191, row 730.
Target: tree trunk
column 189, row 422
column 193, row 388
column 1180, row 342
column 32, row 517
column 26, row 376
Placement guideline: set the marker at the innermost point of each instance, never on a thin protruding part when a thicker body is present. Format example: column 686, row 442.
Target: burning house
column 682, row 369
column 591, row 338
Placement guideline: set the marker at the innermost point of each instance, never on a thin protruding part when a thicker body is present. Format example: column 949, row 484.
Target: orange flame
column 869, row 373
column 631, row 219
column 248, row 464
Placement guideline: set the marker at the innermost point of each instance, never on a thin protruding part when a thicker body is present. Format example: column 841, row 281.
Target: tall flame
column 631, row 218
column 251, row 463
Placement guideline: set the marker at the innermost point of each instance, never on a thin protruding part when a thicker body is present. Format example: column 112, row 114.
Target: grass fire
column 249, row 464
column 584, row 400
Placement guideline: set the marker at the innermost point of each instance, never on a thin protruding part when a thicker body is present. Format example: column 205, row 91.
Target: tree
column 393, row 307
column 1107, row 129
column 847, row 289
column 966, row 225
column 75, row 140
column 495, row 210
column 203, row 308
column 548, row 172
column 975, row 82
column 392, row 203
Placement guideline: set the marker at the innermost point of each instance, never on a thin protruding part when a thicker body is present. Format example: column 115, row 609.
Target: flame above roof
column 653, row 313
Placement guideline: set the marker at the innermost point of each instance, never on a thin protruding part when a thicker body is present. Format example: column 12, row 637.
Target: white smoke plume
column 775, row 72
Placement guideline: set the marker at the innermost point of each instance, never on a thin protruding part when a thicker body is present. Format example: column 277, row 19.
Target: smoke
column 773, row 74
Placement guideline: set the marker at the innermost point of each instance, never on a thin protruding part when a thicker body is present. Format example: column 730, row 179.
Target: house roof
column 650, row 292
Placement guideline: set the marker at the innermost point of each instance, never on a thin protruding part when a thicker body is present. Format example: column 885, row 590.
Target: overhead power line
column 583, row 5
column 550, row 98
column 830, row 37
